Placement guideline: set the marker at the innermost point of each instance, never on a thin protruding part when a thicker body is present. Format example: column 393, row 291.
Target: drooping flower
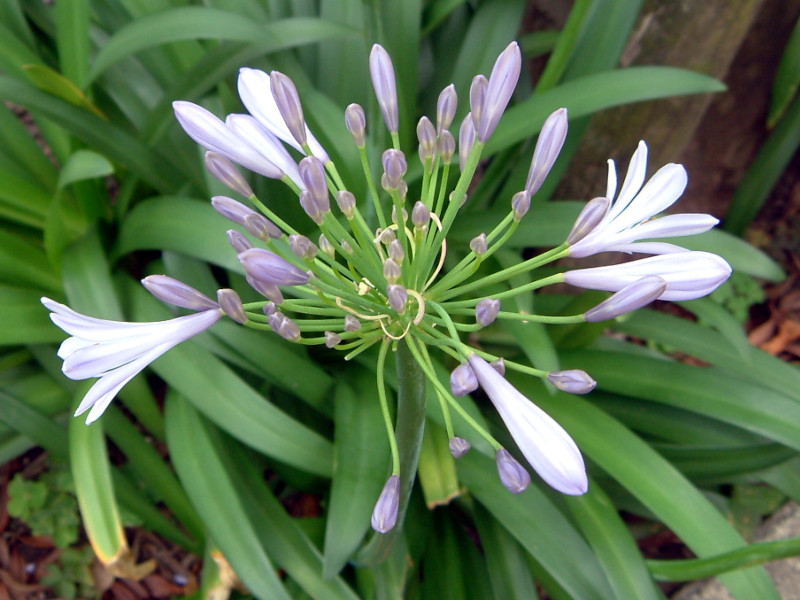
column 384, row 515
column 544, row 443
column 688, row 274
column 117, row 351
column 629, row 217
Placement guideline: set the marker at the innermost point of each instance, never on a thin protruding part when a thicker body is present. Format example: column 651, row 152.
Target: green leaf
column 84, row 164
column 437, row 468
column 787, row 78
column 25, row 320
column 72, row 39
column 195, row 22
column 34, row 272
column 53, row 82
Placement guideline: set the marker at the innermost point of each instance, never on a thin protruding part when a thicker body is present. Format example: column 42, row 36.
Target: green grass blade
column 72, row 39
column 787, row 78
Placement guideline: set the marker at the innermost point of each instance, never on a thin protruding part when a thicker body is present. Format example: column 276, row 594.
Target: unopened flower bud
column 303, row 247
column 463, row 380
column 426, row 134
column 404, row 213
column 346, row 247
column 326, row 246
column 351, row 323
column 573, row 381
column 356, row 123
column 384, row 515
column 270, row 268
column 222, row 169
column 459, row 447
column 499, row 365
column 238, row 241
column 486, row 311
column 268, row 290
column 310, row 206
column 446, row 145
column 312, row 172
column 396, row 252
column 387, row 236
column 512, row 474
column 446, row 108
column 284, row 326
column 258, row 226
column 346, row 202
column 270, row 308
column 382, row 73
column 466, row 140
column 591, row 215
column 398, row 297
column 551, row 140
column 632, row 297
column 231, row 305
column 477, row 96
column 520, row 204
column 288, row 101
column 176, row 292
column 420, row 215
column 502, row 82
column 238, row 213
column 394, row 167
column 332, row 339
column 478, row 244
column 391, row 270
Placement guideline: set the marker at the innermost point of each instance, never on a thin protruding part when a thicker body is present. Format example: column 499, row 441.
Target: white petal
column 634, row 178
column 658, row 194
column 611, row 185
column 647, row 248
column 250, row 129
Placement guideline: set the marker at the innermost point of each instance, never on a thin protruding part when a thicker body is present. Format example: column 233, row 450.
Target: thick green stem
column 409, row 429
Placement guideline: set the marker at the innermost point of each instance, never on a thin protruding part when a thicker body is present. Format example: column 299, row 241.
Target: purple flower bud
column 224, row 170
column 463, row 380
column 512, row 474
column 382, row 73
column 396, row 252
column 332, row 339
column 459, row 447
column 446, row 108
column 347, row 203
column 499, row 365
column 478, row 244
column 466, row 140
column 238, row 213
column 310, row 206
column 426, row 134
column 270, row 308
column 502, row 82
column 238, row 241
column 446, row 146
column 351, row 323
column 284, row 326
column 572, row 381
column 231, row 305
column 394, row 166
column 520, row 204
column 326, row 246
column 258, row 226
column 391, row 270
column 356, row 123
column 176, row 292
column 268, row 290
column 551, row 139
column 420, row 215
column 387, row 236
column 628, row 299
column 303, row 247
column 486, row 311
column 248, row 129
column 594, row 212
column 398, row 297
column 395, row 218
column 288, row 101
column 267, row 267
column 312, row 172
column 384, row 515
column 477, row 96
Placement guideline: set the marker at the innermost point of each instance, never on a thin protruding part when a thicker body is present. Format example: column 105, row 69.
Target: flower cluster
column 374, row 275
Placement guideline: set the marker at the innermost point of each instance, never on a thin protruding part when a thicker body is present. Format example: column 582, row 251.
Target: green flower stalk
column 376, row 278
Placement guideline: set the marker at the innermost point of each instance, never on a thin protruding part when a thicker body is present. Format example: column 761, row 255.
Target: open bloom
column 549, row 449
column 117, row 351
column 628, row 218
column 688, row 274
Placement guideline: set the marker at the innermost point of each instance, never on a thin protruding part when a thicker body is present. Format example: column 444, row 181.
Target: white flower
column 117, row 351
column 628, row 218
column 549, row 449
column 250, row 129
column 255, row 90
column 688, row 274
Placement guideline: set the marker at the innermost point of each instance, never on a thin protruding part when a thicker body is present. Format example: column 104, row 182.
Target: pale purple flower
column 176, row 292
column 459, row 446
column 572, row 381
column 356, row 123
column 486, row 311
column 250, row 129
column 629, row 218
column 255, row 90
column 513, row 475
column 548, row 146
column 689, row 274
column 265, row 266
column 384, row 515
column 288, row 103
column 382, row 72
column 544, row 443
column 466, row 140
column 632, row 297
column 225, row 171
column 446, row 107
column 502, row 82
column 463, row 380
column 231, row 305
column 117, row 351
column 211, row 133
